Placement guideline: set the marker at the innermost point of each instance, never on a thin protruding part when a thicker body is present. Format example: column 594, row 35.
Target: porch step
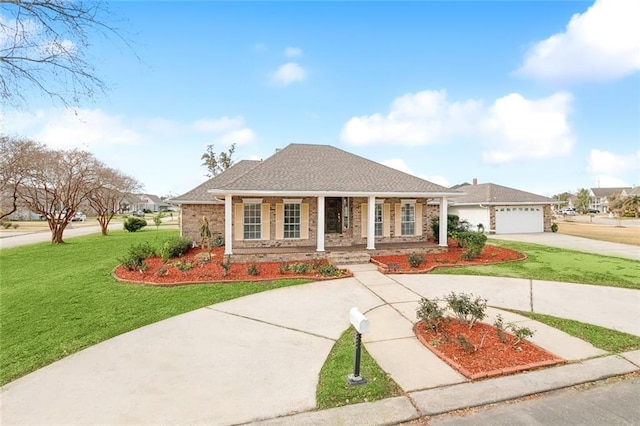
column 348, row 257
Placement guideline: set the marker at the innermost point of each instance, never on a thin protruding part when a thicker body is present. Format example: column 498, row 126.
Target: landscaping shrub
column 299, row 268
column 134, row 260
column 253, row 269
column 554, row 227
column 431, row 313
column 466, row 308
column 472, row 242
column 454, row 226
column 218, row 241
column 174, row 247
column 415, row 260
column 328, row 270
column 133, row 224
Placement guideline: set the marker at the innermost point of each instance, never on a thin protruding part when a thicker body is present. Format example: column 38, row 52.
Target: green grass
column 600, row 337
column 57, row 300
column 554, row 264
column 333, row 389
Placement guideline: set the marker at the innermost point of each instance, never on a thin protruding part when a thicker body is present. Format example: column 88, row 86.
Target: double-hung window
column 291, row 220
column 408, row 219
column 379, row 220
column 252, row 221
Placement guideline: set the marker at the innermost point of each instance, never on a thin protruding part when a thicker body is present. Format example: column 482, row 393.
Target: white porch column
column 320, row 226
column 371, row 223
column 443, row 222
column 228, row 220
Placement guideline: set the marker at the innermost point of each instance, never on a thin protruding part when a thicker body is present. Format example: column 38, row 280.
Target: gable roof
column 634, row 191
column 606, row 192
column 200, row 194
column 492, row 194
column 301, row 169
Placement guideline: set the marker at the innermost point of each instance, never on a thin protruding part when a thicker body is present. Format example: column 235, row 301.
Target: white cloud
column 217, row 125
column 399, row 164
column 81, row 128
column 414, row 119
column 603, row 43
column 609, row 163
column 518, row 128
column 292, row 52
column 512, row 128
column 240, row 137
column 287, row 74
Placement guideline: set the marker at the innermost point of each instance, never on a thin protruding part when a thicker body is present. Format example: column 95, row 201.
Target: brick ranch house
column 314, row 198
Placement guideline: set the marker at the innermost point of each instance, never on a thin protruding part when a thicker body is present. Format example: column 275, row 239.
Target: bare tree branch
column 45, row 44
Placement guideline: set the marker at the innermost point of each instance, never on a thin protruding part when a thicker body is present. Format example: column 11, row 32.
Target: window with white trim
column 408, row 219
column 252, row 221
column 379, row 220
column 292, row 220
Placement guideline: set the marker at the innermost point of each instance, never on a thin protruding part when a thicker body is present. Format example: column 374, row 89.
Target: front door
column 333, row 215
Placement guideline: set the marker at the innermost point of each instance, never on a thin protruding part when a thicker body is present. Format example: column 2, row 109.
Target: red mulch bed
column 493, row 358
column 168, row 274
column 398, row 263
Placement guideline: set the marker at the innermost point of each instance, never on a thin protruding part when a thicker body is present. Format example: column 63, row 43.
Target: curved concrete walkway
column 258, row 357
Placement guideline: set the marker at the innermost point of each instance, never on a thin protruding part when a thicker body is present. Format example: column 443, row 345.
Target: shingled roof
column 301, row 169
column 607, row 192
column 200, row 194
column 492, row 194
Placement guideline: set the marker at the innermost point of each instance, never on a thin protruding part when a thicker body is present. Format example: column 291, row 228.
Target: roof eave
column 334, row 193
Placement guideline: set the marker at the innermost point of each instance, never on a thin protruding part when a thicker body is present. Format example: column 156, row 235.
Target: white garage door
column 519, row 220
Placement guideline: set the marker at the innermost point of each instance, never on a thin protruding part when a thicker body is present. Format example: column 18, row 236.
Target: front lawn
column 555, row 264
column 57, row 300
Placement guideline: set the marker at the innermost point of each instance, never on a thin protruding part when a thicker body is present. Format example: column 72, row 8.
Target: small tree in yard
column 56, row 186
column 108, row 197
column 157, row 220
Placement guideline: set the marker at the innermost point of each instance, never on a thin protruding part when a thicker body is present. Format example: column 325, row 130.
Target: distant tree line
column 55, row 183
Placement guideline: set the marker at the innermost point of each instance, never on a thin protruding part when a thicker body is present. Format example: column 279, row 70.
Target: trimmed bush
column 472, row 242
column 133, row 224
column 467, row 308
column 174, row 247
column 454, row 226
column 415, row 260
column 134, row 260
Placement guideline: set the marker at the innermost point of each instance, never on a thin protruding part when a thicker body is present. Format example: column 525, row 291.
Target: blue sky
column 538, row 96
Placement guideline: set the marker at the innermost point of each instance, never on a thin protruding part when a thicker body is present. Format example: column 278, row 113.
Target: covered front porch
column 337, row 222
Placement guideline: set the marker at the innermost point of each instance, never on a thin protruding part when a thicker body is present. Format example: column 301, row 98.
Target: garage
column 519, row 219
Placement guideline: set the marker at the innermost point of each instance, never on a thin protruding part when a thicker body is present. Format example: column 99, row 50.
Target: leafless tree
column 16, row 157
column 106, row 199
column 57, row 186
column 45, row 44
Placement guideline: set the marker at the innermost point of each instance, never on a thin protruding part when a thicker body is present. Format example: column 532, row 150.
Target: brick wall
column 191, row 215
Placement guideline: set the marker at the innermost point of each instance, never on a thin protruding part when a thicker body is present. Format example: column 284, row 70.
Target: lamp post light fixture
column 361, row 324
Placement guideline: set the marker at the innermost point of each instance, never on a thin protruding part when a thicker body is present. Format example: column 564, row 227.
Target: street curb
column 473, row 394
column 389, row 411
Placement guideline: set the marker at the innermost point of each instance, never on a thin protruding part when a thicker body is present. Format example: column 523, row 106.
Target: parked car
column 138, row 213
column 593, row 211
column 568, row 212
column 79, row 217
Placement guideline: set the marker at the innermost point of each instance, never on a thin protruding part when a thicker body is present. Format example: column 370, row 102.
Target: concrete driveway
column 577, row 243
column 247, row 359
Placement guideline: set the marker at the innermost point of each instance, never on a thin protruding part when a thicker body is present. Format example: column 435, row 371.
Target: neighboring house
column 502, row 210
column 313, row 196
column 148, row 202
column 599, row 197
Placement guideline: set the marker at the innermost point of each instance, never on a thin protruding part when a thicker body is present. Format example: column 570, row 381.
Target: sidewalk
column 257, row 358
column 435, row 388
